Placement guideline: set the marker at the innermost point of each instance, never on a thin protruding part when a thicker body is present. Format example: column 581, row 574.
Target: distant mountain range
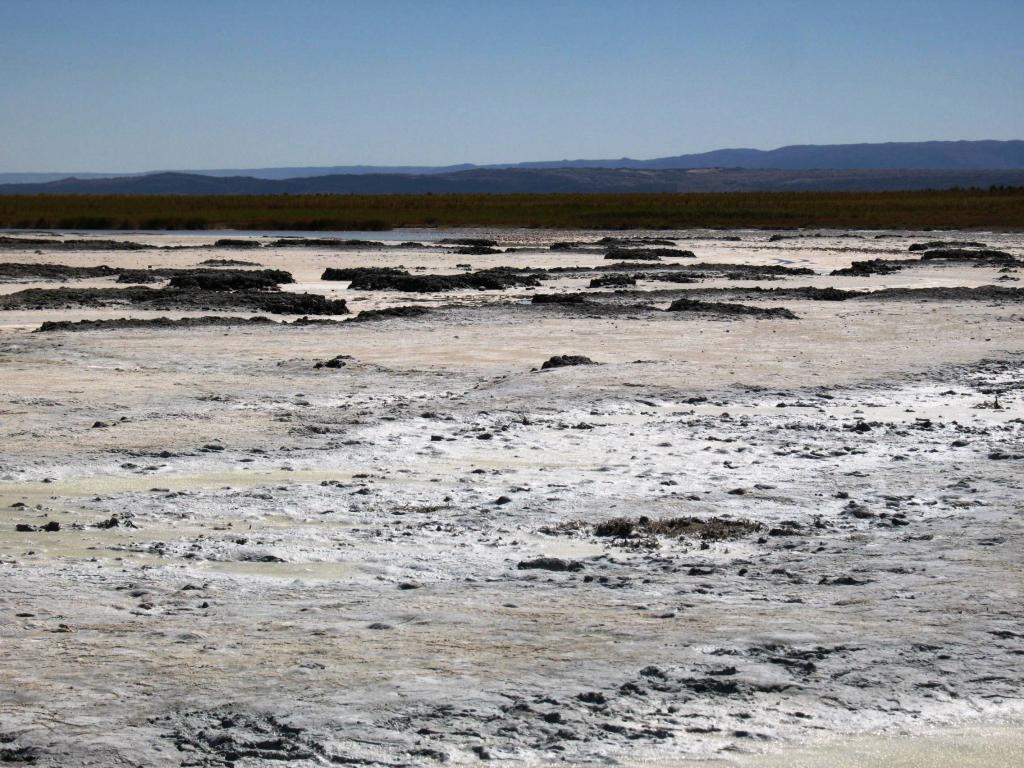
column 525, row 180
column 861, row 167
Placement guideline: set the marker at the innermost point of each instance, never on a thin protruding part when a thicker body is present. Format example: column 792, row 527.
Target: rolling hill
column 905, row 156
column 530, row 180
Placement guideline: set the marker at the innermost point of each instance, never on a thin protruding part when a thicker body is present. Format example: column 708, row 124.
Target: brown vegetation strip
column 960, row 209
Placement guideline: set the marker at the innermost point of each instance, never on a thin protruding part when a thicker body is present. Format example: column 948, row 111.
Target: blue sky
column 127, row 85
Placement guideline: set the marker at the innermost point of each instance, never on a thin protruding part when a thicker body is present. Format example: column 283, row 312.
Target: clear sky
column 129, row 85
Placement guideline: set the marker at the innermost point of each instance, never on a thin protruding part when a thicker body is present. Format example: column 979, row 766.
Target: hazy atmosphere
column 128, row 86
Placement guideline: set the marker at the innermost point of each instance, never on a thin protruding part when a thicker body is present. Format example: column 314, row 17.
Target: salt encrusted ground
column 260, row 562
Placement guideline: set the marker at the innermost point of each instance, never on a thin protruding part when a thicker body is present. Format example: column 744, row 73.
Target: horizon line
column 467, row 165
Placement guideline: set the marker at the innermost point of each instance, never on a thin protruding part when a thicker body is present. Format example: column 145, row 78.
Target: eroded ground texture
column 733, row 532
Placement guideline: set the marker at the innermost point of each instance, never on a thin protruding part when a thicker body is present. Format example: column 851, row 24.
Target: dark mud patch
column 559, row 298
column 222, row 737
column 170, row 299
column 706, row 529
column 229, row 263
column 38, row 243
column 758, row 293
column 751, row 271
column 473, row 242
column 21, row 271
column 632, row 242
column 549, row 564
column 217, row 280
column 968, row 256
column 625, row 245
column 322, row 242
column 672, row 277
column 338, row 361
column 660, row 270
column 405, row 311
column 361, row 273
column 724, row 693
column 386, row 279
column 150, row 323
column 616, row 280
column 477, row 250
column 592, row 306
column 577, row 725
column 209, row 279
column 871, row 267
column 180, row 323
column 722, row 309
column 981, row 293
column 15, row 754
column 142, row 276
column 708, row 270
column 647, row 254
column 984, row 257
column 564, row 361
column 228, row 242
column 946, row 244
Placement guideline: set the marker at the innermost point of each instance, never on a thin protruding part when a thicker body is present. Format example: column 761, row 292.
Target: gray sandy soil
column 401, row 560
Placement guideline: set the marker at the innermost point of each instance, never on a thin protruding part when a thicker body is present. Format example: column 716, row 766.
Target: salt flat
column 436, row 553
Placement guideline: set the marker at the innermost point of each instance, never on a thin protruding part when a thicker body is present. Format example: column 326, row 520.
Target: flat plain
column 763, row 505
